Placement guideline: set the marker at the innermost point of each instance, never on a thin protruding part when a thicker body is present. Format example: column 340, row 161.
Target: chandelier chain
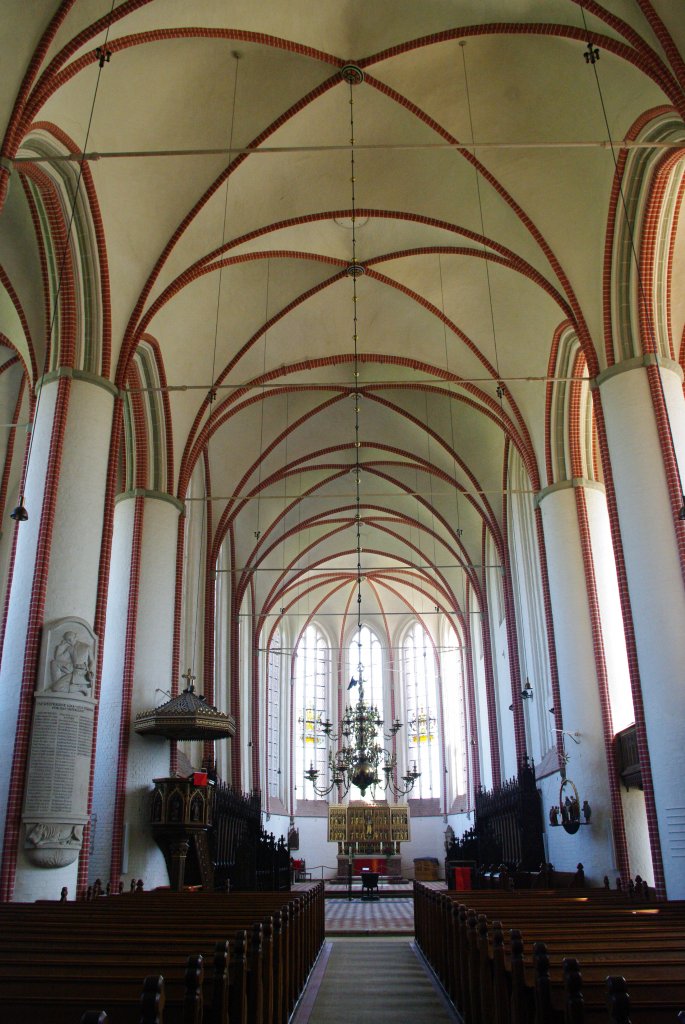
column 360, row 759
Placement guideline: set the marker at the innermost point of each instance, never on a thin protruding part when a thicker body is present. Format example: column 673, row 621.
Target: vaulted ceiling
column 219, row 140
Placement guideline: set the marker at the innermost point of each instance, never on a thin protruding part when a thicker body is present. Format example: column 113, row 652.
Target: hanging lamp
column 361, row 760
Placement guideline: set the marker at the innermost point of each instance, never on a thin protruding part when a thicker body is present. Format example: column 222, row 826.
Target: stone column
column 222, row 750
column 583, row 662
column 136, row 675
column 55, row 577
column 655, row 581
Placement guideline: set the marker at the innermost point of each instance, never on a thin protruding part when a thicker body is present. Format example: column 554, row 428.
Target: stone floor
column 379, row 916
column 387, row 890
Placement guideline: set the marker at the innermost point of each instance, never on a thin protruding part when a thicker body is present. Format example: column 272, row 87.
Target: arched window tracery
column 365, row 657
column 273, row 716
column 312, row 683
column 420, row 684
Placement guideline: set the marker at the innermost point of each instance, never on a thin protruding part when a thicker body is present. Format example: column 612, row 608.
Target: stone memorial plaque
column 59, row 759
column 56, row 795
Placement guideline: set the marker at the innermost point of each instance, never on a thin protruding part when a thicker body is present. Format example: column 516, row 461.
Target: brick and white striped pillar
column 573, row 512
column 55, row 575
column 637, row 439
column 136, row 676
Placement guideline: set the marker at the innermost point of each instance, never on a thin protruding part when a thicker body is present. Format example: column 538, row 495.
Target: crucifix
column 190, row 679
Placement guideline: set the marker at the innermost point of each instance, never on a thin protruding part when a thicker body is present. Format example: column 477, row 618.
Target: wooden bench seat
column 253, row 960
column 298, row 947
column 474, row 943
column 57, row 954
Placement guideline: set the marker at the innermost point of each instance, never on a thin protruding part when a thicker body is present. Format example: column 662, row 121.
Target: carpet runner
column 365, row 981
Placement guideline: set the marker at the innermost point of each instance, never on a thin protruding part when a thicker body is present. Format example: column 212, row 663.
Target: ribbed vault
column 218, row 173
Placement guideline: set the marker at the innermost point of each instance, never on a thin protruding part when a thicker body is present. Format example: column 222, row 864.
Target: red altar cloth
column 372, row 863
column 462, row 879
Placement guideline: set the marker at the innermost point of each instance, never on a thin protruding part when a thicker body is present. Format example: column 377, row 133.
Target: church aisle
column 369, row 979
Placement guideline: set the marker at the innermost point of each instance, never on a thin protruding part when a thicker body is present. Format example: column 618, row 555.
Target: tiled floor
column 387, row 888
column 389, row 916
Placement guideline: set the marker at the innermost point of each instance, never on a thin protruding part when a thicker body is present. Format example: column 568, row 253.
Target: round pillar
column 54, row 579
column 655, row 582
column 137, row 675
column 578, row 648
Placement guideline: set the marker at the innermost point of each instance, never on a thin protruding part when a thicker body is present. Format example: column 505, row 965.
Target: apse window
column 419, row 674
column 312, row 683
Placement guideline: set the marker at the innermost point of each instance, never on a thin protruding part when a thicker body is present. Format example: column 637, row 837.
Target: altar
column 368, row 838
column 387, row 866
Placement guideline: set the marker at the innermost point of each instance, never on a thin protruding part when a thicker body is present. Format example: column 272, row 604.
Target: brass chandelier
column 360, row 759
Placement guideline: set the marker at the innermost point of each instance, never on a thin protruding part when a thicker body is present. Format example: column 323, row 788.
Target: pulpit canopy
column 186, row 717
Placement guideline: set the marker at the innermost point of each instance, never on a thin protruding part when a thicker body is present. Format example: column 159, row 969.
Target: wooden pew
column 151, row 1005
column 652, row 971
column 479, row 957
column 310, row 939
column 56, row 992
column 268, row 959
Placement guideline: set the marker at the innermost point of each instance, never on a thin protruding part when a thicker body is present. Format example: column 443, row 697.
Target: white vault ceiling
column 474, row 255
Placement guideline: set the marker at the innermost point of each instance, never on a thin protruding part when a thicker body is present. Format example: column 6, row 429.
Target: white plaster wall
column 222, row 750
column 460, row 823
column 530, row 615
column 77, row 534
column 656, row 589
column 7, row 527
column 481, row 701
column 109, row 710
column 427, row 840
column 148, row 757
column 74, row 557
column 635, row 817
column 672, row 380
column 503, row 698
column 192, row 633
column 580, row 703
column 278, row 824
column 319, row 854
column 592, row 845
column 610, row 609
column 9, row 389
column 22, row 583
column 245, row 646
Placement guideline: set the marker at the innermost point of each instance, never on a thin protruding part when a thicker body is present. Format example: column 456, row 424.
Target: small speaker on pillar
column 19, row 514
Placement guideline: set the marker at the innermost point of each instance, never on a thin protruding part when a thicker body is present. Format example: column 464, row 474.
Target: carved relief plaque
column 56, row 796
